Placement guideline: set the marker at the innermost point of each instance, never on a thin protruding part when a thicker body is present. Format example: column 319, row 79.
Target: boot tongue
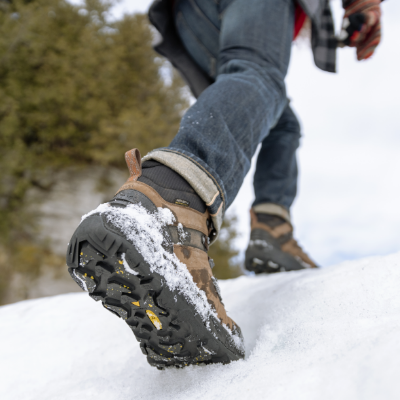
column 270, row 220
column 170, row 185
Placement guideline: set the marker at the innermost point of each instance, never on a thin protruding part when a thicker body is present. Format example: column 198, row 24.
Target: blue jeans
column 275, row 178
column 245, row 46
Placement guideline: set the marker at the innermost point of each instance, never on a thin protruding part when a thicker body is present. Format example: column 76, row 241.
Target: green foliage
column 224, row 254
column 75, row 91
column 24, row 259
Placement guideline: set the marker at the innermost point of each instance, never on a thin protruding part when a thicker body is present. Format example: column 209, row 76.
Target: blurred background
column 80, row 85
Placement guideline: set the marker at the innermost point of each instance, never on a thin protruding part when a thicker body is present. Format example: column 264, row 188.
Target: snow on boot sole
column 170, row 330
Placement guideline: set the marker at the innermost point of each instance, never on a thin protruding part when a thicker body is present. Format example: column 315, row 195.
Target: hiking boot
column 272, row 247
column 144, row 256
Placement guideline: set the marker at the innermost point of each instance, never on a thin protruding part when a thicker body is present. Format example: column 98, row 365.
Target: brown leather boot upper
column 190, row 233
column 282, row 231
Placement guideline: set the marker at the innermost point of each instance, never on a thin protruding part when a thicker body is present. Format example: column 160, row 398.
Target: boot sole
column 267, row 257
column 276, row 261
column 170, row 331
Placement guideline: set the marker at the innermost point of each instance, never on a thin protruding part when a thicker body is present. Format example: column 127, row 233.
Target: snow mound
column 326, row 334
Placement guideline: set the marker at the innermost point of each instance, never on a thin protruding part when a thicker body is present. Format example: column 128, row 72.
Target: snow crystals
column 145, row 230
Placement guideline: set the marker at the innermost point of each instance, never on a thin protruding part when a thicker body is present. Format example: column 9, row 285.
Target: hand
column 361, row 27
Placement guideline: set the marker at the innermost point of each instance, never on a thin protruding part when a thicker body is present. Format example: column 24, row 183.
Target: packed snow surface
column 314, row 335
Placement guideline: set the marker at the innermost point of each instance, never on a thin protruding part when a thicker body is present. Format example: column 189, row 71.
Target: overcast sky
column 349, row 189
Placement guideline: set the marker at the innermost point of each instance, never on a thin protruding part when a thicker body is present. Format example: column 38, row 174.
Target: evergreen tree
column 75, row 90
column 223, row 252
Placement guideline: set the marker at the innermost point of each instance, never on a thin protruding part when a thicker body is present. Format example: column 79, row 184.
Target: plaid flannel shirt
column 323, row 40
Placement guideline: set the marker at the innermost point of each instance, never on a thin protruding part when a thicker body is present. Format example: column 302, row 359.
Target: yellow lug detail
column 92, row 277
column 154, row 319
column 121, row 262
column 136, row 303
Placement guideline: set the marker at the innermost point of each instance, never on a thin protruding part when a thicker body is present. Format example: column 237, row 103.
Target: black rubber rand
column 169, row 330
column 264, row 254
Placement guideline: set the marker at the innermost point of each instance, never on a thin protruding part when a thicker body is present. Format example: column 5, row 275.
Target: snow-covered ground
column 326, row 334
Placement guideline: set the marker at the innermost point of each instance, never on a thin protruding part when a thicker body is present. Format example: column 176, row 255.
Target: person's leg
column 144, row 253
column 220, row 132
column 275, row 178
column 272, row 247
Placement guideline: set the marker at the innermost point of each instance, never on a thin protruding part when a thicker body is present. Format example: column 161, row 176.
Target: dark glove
column 361, row 27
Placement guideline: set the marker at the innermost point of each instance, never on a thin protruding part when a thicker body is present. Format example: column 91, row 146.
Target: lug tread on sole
column 96, row 264
column 263, row 268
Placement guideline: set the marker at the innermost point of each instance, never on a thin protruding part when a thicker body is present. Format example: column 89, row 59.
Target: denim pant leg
column 250, row 42
column 275, row 179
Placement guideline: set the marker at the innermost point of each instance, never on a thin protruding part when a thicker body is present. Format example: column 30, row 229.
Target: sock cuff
column 273, row 209
column 170, row 185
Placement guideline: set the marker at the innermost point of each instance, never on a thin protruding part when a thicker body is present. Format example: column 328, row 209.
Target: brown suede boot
column 272, row 247
column 144, row 255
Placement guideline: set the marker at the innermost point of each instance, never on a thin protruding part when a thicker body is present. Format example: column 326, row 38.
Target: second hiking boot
column 144, row 256
column 272, row 247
